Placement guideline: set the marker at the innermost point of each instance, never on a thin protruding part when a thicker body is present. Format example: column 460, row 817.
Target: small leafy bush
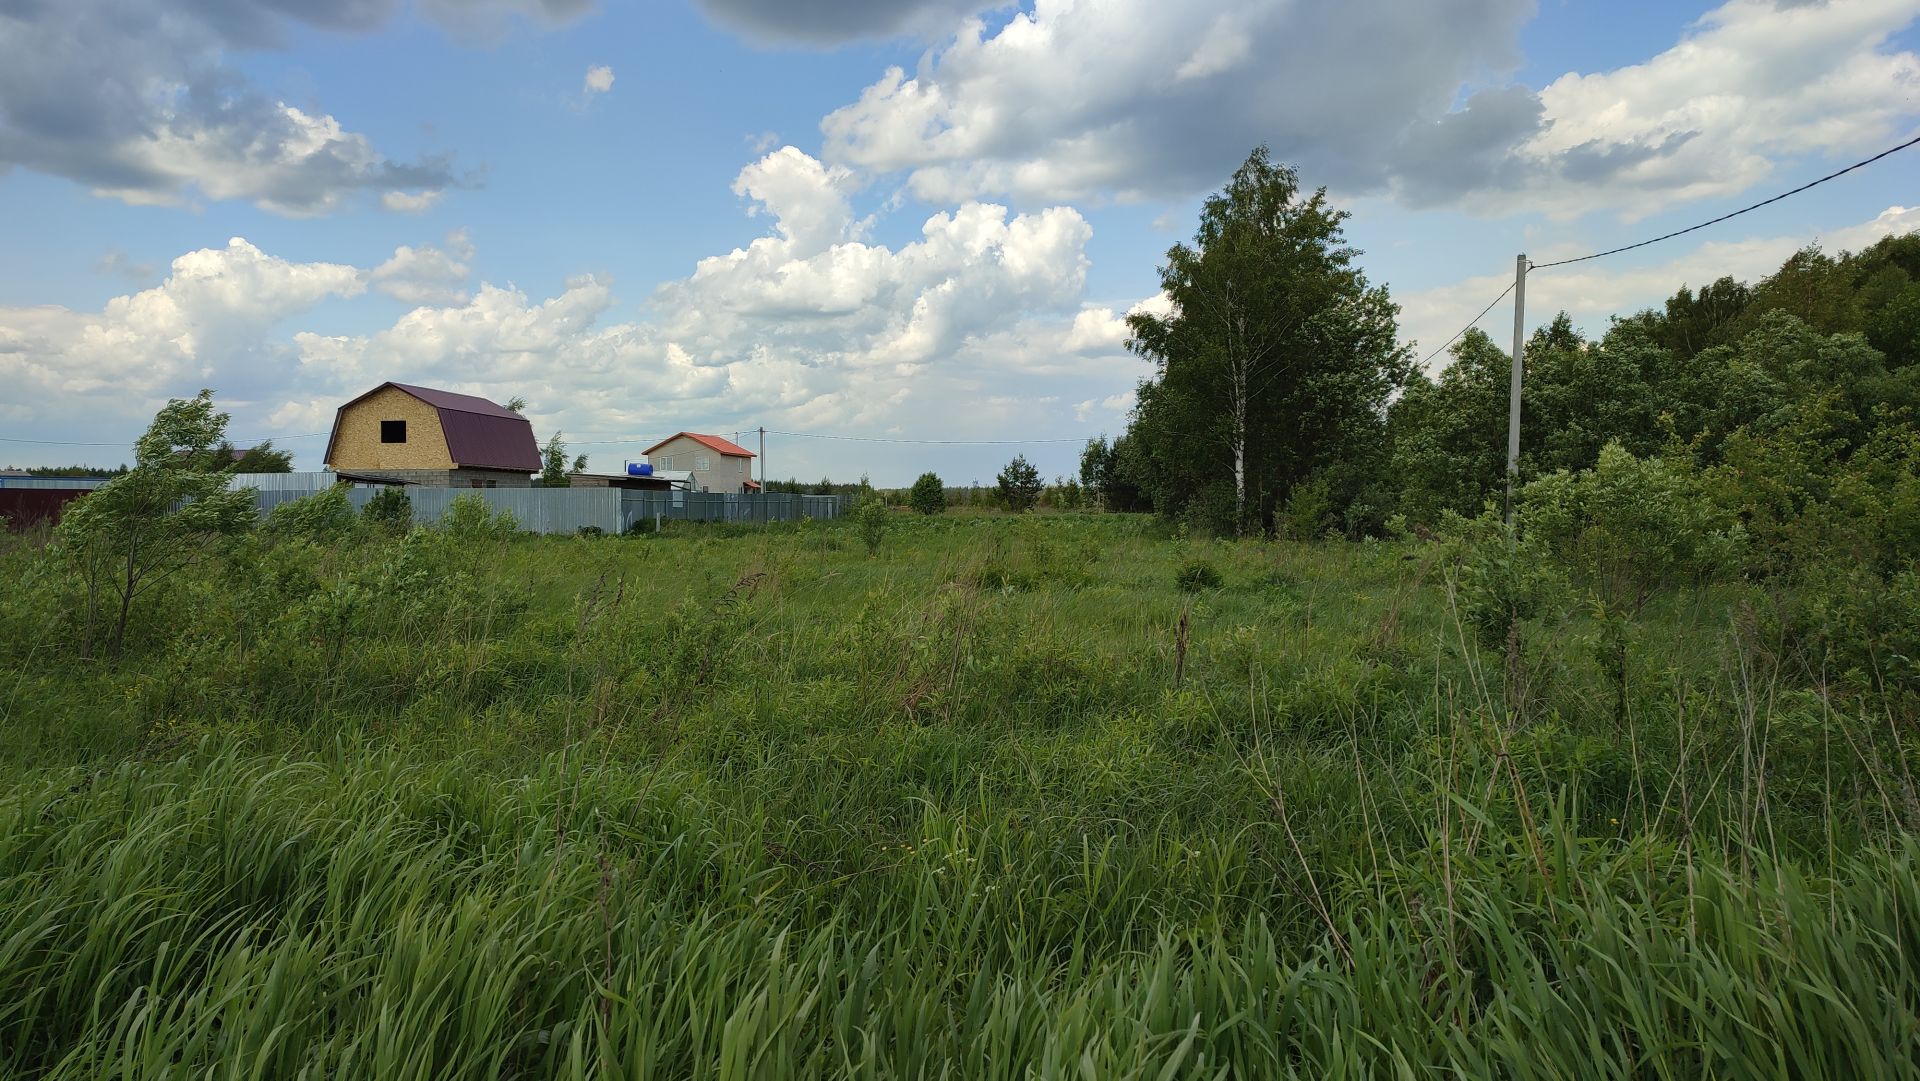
column 1197, row 574
column 322, row 516
column 872, row 519
column 470, row 518
column 389, row 510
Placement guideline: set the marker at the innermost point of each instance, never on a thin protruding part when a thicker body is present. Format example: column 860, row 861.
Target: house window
column 740, row 464
column 702, row 462
column 665, row 462
column 476, row 484
column 393, row 431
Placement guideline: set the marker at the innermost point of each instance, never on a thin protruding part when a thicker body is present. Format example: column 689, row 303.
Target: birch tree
column 1274, row 357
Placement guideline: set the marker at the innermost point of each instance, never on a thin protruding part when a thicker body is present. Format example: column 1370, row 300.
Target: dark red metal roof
column 724, row 446
column 479, row 433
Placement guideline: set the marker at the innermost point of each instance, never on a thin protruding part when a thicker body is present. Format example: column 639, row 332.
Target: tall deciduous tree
column 1276, row 359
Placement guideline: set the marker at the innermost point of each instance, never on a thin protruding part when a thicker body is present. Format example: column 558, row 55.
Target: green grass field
column 1002, row 801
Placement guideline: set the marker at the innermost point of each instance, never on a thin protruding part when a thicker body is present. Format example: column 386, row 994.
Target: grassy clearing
column 754, row 805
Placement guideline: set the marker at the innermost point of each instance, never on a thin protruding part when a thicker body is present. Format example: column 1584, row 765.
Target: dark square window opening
column 393, row 431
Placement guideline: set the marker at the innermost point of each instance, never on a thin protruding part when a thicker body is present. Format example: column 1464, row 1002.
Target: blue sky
column 750, row 218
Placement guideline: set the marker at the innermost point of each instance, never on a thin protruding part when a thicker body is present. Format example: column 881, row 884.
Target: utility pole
column 763, row 474
column 1519, row 362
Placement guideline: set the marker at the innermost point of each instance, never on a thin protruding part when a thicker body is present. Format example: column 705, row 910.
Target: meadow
column 1042, row 796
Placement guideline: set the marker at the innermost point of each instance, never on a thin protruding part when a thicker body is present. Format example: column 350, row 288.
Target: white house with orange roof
column 717, row 465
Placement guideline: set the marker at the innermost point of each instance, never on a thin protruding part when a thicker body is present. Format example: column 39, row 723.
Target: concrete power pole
column 763, row 473
column 1519, row 362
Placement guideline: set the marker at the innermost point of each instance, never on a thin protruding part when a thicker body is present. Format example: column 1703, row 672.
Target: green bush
column 323, row 516
column 872, row 519
column 929, row 495
column 1197, row 574
column 469, row 517
column 389, row 510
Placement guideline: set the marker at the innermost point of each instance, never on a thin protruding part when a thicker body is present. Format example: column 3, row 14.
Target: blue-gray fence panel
column 62, row 483
column 303, row 483
column 568, row 510
column 726, row 507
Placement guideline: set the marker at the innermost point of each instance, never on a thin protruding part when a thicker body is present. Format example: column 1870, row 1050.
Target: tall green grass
column 369, row 916
column 1004, row 801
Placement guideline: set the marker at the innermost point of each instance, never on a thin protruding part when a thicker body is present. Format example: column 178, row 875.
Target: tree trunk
column 1237, row 361
column 126, row 598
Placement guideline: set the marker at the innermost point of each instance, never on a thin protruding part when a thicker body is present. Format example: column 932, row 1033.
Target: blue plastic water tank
column 639, row 469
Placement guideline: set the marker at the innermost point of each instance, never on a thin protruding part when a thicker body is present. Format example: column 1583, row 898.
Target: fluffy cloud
column 1591, row 292
column 207, row 323
column 401, row 202
column 978, row 325
column 599, row 80
column 427, row 275
column 808, row 325
column 857, row 305
column 1755, row 81
column 1077, row 99
column 138, row 100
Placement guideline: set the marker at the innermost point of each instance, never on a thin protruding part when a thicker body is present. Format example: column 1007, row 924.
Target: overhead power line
column 129, row 443
column 1469, row 326
column 1669, row 236
column 1724, row 217
column 938, row 442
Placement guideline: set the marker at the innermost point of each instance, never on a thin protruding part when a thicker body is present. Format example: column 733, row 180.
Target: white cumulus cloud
column 599, row 80
column 1138, row 98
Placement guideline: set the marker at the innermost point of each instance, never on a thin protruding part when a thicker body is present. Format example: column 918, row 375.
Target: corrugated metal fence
column 538, row 510
column 569, row 510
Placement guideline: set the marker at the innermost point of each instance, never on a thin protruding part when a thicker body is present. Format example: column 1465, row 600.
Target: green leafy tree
column 1276, row 358
column 1019, row 485
column 264, row 458
column 1625, row 527
column 166, row 513
column 929, row 494
column 554, row 465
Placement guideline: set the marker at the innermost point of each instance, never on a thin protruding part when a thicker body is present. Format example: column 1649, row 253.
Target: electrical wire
column 76, row 443
column 1724, row 217
column 1532, row 266
column 1469, row 326
column 935, row 442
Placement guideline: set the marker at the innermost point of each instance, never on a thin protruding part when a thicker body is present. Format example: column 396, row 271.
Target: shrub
column 469, row 517
column 872, row 518
column 1309, row 508
column 389, row 510
column 929, row 495
column 324, row 515
column 1197, row 574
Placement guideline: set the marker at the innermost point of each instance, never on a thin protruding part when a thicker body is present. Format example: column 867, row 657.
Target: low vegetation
column 1002, row 798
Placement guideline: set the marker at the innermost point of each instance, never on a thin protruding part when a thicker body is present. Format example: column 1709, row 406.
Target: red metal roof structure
column 480, row 434
column 712, row 442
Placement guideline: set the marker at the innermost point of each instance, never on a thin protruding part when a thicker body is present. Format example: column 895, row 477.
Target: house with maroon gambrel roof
column 436, row 438
column 717, row 465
